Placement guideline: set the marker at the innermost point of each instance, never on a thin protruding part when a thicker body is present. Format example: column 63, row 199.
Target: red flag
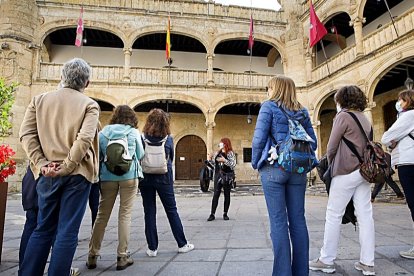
column 251, row 36
column 168, row 42
column 79, row 30
column 317, row 30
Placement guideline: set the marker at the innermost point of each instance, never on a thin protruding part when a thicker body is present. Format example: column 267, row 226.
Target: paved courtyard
column 240, row 246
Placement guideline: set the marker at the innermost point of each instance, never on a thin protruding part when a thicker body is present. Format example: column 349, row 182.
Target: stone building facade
column 213, row 85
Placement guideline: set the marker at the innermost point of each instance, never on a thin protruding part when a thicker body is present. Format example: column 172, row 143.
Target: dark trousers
column 406, row 175
column 160, row 184
column 94, row 201
column 29, row 227
column 218, row 185
column 378, row 187
column 62, row 202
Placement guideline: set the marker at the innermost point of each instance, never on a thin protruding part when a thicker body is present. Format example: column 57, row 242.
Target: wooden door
column 189, row 157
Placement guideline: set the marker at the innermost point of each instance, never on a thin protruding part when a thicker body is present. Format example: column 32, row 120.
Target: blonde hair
column 284, row 91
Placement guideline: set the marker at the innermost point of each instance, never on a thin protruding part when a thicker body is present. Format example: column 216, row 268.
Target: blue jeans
column 149, row 187
column 29, row 227
column 94, row 201
column 285, row 199
column 62, row 202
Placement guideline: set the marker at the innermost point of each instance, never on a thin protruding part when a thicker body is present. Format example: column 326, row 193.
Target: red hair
column 227, row 144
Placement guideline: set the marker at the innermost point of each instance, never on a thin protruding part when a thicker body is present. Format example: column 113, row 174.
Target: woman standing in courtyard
column 347, row 182
column 400, row 139
column 224, row 164
column 157, row 133
column 122, row 125
column 284, row 191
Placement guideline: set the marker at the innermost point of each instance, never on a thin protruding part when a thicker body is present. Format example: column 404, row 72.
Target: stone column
column 316, row 128
column 210, row 58
column 357, row 24
column 308, row 62
column 368, row 112
column 210, row 131
column 127, row 53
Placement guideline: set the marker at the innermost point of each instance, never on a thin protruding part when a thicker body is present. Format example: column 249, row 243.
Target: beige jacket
column 342, row 159
column 62, row 126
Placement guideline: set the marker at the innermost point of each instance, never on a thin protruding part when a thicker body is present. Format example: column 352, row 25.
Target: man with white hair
column 59, row 136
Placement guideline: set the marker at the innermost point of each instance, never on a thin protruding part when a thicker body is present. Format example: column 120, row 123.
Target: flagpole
column 326, row 58
column 251, row 50
column 392, row 18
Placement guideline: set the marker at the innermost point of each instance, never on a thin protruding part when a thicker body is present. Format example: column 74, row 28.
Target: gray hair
column 75, row 74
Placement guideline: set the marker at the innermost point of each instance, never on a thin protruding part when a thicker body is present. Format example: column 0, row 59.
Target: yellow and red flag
column 168, row 41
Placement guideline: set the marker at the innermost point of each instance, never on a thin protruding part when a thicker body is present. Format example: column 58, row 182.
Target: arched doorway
column 191, row 151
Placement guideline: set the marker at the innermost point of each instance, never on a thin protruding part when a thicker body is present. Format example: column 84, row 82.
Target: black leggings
column 218, row 185
column 378, row 187
column 406, row 175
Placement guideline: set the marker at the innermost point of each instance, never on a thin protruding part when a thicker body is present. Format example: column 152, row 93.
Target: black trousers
column 406, row 174
column 378, row 187
column 218, row 185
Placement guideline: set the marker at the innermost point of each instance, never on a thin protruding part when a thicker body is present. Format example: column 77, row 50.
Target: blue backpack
column 295, row 154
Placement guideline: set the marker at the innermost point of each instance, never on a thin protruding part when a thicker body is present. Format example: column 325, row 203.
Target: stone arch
column 361, row 7
column 197, row 132
column 153, row 97
column 233, row 100
column 181, row 30
column 385, row 62
column 96, row 95
column 327, row 92
column 52, row 26
column 335, row 10
column 242, row 35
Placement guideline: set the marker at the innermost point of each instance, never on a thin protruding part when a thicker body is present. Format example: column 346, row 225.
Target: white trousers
column 343, row 188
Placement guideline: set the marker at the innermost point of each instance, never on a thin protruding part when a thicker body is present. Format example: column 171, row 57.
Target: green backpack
column 117, row 158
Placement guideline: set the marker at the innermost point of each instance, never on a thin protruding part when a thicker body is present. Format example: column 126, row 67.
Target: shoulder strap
column 351, row 146
column 361, row 128
column 411, row 136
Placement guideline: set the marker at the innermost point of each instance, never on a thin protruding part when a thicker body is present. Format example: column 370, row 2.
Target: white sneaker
column 365, row 269
column 186, row 248
column 152, row 253
column 407, row 254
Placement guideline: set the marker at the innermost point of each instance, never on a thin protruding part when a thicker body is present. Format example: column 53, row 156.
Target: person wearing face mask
column 225, row 162
column 399, row 138
column 348, row 183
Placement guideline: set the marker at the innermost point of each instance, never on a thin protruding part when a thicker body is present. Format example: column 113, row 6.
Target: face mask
column 338, row 108
column 221, row 145
column 398, row 107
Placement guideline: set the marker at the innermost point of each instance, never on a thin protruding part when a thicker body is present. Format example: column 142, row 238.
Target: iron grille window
column 247, row 155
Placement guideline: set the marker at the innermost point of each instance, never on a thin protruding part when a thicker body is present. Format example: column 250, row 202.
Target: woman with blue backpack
column 120, row 149
column 283, row 151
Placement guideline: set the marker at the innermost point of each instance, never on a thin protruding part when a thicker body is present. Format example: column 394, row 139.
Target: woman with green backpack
column 120, row 148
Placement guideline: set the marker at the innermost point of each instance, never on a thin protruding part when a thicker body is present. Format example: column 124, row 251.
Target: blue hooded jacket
column 272, row 121
column 117, row 131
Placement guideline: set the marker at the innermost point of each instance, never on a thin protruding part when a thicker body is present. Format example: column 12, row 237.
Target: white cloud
column 263, row 4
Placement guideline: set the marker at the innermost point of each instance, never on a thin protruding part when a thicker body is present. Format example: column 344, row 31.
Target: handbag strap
column 351, row 146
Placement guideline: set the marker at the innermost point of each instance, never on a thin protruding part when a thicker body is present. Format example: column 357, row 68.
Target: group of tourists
column 68, row 152
column 284, row 187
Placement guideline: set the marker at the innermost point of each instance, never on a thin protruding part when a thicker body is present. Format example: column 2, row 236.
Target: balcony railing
column 372, row 42
column 179, row 7
column 161, row 76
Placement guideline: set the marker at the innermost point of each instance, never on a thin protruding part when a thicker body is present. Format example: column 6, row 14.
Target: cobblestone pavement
column 240, row 246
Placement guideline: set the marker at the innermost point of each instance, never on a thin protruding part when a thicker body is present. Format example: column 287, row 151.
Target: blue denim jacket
column 272, row 121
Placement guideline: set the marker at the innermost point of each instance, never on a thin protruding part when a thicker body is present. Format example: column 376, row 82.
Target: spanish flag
column 168, row 43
